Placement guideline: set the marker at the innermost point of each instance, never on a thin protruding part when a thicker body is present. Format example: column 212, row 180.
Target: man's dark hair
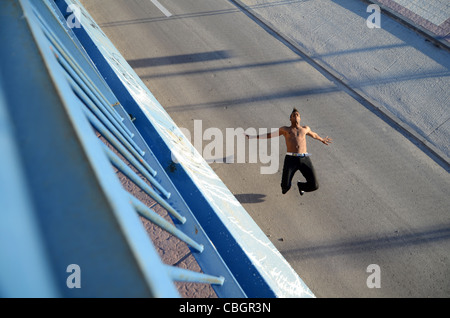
column 295, row 110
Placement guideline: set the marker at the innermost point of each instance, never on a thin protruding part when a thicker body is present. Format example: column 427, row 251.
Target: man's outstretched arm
column 271, row 134
column 314, row 135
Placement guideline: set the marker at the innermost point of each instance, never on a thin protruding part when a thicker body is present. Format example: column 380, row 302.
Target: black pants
column 304, row 164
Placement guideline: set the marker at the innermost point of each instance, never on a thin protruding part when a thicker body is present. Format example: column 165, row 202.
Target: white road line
column 160, row 7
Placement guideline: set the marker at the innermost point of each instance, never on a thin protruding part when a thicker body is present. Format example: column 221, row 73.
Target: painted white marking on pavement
column 161, row 7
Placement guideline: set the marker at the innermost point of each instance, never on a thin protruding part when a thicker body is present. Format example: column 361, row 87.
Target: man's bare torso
column 295, row 138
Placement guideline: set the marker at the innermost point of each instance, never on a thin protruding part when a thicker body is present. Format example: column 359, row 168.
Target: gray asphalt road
column 381, row 200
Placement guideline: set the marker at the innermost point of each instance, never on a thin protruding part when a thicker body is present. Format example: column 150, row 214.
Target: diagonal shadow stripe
column 180, row 59
column 366, row 244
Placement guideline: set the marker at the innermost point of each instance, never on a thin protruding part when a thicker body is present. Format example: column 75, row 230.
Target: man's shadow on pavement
column 250, row 197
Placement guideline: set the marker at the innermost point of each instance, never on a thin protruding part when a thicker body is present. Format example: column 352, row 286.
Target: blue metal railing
column 73, row 207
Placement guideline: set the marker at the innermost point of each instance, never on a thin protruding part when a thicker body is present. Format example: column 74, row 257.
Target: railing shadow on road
column 217, row 55
column 286, row 94
column 171, row 18
column 370, row 244
column 256, row 99
column 180, row 59
column 192, row 15
column 152, row 62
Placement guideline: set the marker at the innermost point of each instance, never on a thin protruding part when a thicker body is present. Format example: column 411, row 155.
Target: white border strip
column 161, row 7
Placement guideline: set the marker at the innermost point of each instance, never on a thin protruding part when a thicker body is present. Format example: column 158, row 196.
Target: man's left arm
column 314, row 135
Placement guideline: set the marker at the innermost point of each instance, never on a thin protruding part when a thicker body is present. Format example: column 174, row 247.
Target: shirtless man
column 297, row 157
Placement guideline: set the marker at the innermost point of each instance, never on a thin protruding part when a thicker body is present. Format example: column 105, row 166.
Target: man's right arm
column 273, row 134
